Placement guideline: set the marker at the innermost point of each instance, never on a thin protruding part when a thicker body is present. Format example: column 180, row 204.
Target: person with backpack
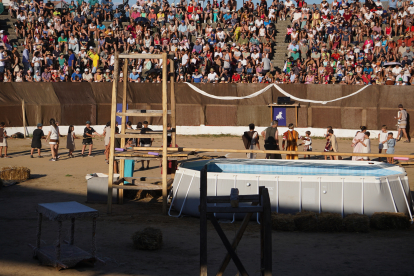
column 271, row 140
column 145, row 142
column 251, row 141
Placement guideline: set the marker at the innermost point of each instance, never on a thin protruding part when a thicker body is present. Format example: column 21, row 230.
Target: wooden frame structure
column 134, row 134
column 259, row 204
column 295, row 105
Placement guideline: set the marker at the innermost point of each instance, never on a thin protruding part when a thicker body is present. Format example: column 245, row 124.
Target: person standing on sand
column 402, row 123
column 333, row 143
column 57, row 145
column 291, row 137
column 356, row 143
column 328, row 142
column 391, row 147
column 3, row 141
column 253, row 137
column 70, row 140
column 38, row 134
column 382, row 137
column 107, row 135
column 54, row 139
column 271, row 140
column 88, row 133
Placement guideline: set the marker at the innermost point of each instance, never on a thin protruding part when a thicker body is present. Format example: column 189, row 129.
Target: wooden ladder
column 135, row 133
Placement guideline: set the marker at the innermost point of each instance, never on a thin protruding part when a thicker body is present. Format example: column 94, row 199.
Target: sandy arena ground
column 294, row 253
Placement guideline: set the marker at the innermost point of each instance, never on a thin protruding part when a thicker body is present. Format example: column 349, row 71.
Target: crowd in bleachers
column 339, row 42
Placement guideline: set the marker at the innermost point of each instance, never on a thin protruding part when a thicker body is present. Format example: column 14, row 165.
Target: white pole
column 392, row 197
column 300, row 194
column 320, row 200
column 257, row 218
column 405, row 197
column 362, row 197
column 342, row 203
column 277, row 194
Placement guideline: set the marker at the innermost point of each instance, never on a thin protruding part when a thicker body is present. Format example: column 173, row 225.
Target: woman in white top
column 54, row 139
column 383, row 136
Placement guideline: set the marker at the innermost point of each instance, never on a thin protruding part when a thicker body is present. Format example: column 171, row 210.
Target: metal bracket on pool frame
column 185, row 198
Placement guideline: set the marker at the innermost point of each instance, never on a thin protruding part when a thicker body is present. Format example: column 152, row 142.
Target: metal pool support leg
column 405, row 198
column 175, row 194
column 185, row 198
column 392, row 197
column 320, row 200
column 300, row 194
column 277, row 194
column 215, row 189
column 362, row 197
column 342, row 202
column 257, row 216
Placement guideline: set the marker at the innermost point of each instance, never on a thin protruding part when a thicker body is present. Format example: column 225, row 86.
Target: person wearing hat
column 87, row 76
column 197, row 77
column 88, row 133
column 75, row 74
column 38, row 135
column 63, row 42
column 133, row 76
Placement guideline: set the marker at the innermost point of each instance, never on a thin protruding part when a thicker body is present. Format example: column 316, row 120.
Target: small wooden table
column 296, row 105
column 66, row 255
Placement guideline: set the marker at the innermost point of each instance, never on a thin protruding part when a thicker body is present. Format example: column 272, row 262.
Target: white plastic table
column 66, row 255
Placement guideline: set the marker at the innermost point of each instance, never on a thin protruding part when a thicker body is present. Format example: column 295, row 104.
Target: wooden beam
column 276, row 152
column 228, row 246
column 123, row 127
column 226, row 199
column 112, row 142
column 131, row 135
column 24, row 118
column 236, row 241
column 148, row 187
column 164, row 133
column 173, row 104
column 155, row 114
column 142, row 56
column 147, row 131
column 146, row 111
column 203, row 221
column 230, row 210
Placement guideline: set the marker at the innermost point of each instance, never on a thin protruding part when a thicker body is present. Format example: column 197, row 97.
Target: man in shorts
column 145, row 142
column 271, row 140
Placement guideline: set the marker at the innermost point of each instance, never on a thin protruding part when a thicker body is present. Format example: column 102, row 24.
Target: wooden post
column 267, row 233
column 123, row 126
column 112, row 142
column 203, row 221
column 173, row 109
column 296, row 114
column 164, row 132
column 24, row 119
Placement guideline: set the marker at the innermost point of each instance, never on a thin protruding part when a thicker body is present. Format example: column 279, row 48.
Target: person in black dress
column 37, row 140
column 87, row 138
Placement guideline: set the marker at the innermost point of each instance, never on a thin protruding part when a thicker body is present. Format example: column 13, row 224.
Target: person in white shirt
column 258, row 22
column 130, row 42
column 410, row 8
column 212, row 76
column 396, row 70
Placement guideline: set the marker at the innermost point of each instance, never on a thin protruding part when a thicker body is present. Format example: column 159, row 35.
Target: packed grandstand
column 346, row 42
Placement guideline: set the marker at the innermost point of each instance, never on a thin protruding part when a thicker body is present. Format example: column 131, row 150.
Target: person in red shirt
column 335, row 55
column 236, row 77
column 190, row 8
column 366, row 78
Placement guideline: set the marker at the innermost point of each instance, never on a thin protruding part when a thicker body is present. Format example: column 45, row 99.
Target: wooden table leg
column 39, row 230
column 93, row 237
column 72, row 231
column 58, row 241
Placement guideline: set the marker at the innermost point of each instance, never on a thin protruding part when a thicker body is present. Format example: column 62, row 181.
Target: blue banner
column 279, row 114
column 119, row 118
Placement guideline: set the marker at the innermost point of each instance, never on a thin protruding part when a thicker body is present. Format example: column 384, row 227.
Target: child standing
column 37, row 140
column 391, row 146
column 307, row 146
column 3, row 141
column 70, row 140
column 382, row 137
column 367, row 145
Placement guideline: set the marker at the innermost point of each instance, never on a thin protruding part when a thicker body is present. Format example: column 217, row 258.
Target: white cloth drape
column 255, row 94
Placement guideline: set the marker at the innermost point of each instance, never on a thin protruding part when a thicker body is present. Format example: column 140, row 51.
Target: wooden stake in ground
column 24, row 118
column 164, row 132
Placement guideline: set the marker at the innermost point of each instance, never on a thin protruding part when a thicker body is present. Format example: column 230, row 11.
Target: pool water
column 282, row 167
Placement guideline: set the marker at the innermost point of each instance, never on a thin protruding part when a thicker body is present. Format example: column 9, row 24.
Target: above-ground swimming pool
column 343, row 187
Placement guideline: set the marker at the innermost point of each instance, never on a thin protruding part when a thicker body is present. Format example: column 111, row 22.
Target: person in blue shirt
column 93, row 2
column 392, row 5
column 117, row 16
column 368, row 70
column 211, row 40
column 182, row 29
column 227, row 16
column 76, row 74
column 133, row 76
column 71, row 61
column 101, row 27
column 197, row 77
